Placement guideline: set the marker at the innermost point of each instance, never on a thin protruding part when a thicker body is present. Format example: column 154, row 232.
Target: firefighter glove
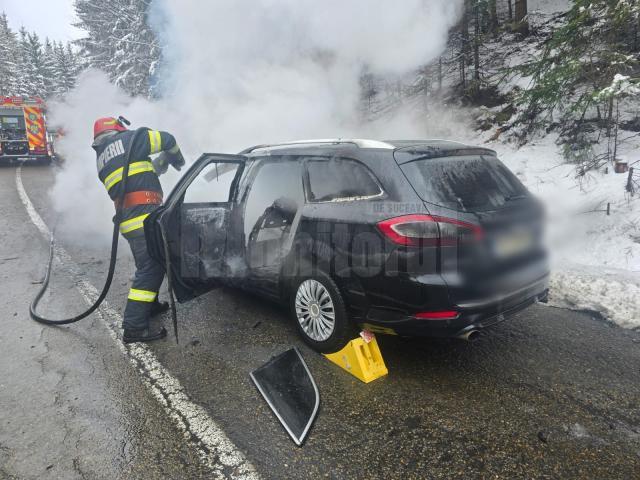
column 175, row 158
column 161, row 163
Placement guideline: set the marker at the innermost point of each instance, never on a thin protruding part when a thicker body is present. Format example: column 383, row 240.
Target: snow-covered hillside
column 596, row 257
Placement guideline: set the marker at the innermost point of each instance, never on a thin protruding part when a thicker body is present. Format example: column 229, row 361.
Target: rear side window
column 340, row 180
column 464, row 183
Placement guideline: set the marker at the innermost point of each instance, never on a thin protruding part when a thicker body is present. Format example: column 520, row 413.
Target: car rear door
column 200, row 223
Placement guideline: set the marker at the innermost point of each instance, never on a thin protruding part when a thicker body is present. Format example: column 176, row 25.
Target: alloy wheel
column 315, row 310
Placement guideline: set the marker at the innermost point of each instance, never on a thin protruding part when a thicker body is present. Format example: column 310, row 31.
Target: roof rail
column 360, row 143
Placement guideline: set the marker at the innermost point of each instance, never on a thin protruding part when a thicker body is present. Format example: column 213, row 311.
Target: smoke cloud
column 244, row 72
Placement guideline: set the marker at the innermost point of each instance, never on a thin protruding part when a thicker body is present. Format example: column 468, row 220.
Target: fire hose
column 112, row 260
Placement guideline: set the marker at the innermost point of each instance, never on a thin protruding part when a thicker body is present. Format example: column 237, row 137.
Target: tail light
column 439, row 315
column 429, row 230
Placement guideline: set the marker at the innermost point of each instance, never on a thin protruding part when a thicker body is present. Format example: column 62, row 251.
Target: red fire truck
column 23, row 130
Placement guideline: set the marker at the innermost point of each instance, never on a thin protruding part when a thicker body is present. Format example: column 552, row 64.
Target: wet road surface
column 548, row 394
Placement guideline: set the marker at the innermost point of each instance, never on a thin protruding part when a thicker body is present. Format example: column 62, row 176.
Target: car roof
column 320, row 143
column 442, row 145
column 430, row 143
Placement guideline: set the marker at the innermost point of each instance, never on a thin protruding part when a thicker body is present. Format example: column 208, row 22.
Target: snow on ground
column 548, row 6
column 613, row 293
column 595, row 256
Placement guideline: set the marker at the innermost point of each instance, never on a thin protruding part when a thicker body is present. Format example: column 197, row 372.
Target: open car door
column 199, row 219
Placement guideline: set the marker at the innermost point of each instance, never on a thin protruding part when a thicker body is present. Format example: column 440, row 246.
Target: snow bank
column 613, row 293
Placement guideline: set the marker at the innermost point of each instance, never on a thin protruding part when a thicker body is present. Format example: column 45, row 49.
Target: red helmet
column 106, row 124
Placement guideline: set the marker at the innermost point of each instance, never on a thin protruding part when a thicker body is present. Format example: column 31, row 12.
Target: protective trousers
column 145, row 287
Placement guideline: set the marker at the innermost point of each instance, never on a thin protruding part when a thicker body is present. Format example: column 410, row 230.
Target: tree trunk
column 522, row 25
column 610, row 117
column 476, row 49
column 493, row 17
column 521, row 10
column 510, row 10
column 615, row 138
column 464, row 44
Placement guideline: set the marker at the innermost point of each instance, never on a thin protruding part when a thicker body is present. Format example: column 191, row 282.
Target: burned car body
column 419, row 237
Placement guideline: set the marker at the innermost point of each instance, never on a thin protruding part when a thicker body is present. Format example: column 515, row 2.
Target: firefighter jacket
column 142, row 174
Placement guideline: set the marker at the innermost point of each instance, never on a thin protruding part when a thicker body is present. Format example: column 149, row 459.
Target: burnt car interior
column 270, row 217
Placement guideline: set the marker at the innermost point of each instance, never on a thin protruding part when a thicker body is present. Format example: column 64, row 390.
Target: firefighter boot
column 144, row 335
column 158, row 308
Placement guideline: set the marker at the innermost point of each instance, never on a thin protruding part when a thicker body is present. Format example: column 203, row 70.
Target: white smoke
column 259, row 71
column 244, row 72
column 83, row 207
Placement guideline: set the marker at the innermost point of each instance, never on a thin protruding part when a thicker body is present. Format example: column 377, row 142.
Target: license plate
column 513, row 243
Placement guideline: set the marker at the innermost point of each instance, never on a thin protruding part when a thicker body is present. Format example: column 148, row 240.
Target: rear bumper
column 476, row 315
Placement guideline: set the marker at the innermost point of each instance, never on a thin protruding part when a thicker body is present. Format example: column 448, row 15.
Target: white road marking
column 214, row 448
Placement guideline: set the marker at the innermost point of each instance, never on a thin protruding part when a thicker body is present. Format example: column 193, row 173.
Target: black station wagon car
column 421, row 237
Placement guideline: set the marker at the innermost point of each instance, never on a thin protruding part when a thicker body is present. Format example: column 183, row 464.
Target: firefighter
column 143, row 196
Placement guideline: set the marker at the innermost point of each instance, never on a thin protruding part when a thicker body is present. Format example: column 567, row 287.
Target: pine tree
column 74, row 65
column 125, row 47
column 29, row 68
column 479, row 19
column 34, row 64
column 576, row 82
column 8, row 58
column 24, row 81
column 48, row 70
column 65, row 68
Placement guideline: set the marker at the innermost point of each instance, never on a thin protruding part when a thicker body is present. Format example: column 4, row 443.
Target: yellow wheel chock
column 361, row 359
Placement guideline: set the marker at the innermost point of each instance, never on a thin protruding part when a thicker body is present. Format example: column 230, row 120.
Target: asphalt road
column 548, row 394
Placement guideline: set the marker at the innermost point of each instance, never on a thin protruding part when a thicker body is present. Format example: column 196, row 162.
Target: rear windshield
column 464, row 183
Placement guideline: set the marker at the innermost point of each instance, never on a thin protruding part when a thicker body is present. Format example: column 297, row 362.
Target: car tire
column 321, row 290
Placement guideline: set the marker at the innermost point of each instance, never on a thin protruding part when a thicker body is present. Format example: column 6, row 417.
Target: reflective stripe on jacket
column 142, row 176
